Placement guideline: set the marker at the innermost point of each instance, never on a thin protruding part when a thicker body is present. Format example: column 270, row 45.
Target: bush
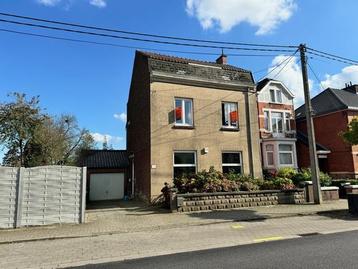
column 305, row 175
column 287, row 172
column 325, row 179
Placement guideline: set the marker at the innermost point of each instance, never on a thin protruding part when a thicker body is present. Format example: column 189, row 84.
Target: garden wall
column 226, row 200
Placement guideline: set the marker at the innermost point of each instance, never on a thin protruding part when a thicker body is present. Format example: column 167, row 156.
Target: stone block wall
column 227, row 200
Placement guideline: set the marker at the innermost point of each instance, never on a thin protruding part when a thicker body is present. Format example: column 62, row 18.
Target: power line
column 129, row 47
column 332, row 55
column 139, row 39
column 313, row 72
column 283, row 67
column 144, row 34
column 332, row 58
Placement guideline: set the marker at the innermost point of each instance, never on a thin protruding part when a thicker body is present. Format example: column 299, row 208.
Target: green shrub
column 325, row 179
column 305, row 175
column 286, row 172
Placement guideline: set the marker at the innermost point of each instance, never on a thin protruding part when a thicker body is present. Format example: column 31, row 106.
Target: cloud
column 122, row 117
column 348, row 74
column 52, row 3
column 264, row 14
column 98, row 3
column 100, row 138
column 290, row 75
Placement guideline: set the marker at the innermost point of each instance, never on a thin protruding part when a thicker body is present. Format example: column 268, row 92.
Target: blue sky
column 92, row 81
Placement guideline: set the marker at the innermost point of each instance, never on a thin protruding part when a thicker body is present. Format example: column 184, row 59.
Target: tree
column 351, row 135
column 18, row 121
column 105, row 143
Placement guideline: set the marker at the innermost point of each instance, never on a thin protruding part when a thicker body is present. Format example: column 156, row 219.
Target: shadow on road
column 342, row 214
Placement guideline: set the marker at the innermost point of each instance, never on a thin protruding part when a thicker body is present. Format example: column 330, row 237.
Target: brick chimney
column 222, row 59
column 353, row 88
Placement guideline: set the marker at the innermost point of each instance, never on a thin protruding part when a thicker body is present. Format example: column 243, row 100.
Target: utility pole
column 310, row 129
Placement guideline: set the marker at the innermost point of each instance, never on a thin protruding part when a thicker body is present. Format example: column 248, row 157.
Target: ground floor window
column 285, row 154
column 184, row 163
column 269, row 155
column 232, row 162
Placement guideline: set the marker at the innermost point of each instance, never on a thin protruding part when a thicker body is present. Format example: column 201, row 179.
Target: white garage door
column 108, row 186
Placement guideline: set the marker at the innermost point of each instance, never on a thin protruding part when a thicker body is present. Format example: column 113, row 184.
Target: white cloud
column 122, row 117
column 50, row 3
column 290, row 75
column 347, row 75
column 264, row 14
column 98, row 3
column 100, row 138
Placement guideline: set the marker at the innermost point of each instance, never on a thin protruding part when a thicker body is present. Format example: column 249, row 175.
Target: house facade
column 333, row 109
column 184, row 116
column 276, row 125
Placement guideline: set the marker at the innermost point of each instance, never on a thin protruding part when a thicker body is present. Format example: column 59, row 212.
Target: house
column 106, row 174
column 333, row 109
column 185, row 115
column 276, row 124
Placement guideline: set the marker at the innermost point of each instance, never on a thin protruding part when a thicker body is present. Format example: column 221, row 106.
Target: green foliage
column 305, row 175
column 351, row 135
column 287, row 172
column 325, row 179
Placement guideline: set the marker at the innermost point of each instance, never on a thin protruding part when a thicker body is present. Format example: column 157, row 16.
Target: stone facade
column 227, row 200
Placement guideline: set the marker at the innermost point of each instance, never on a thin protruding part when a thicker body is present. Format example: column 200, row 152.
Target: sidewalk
column 135, row 217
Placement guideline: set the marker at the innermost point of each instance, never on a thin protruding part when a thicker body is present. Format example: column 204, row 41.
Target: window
column 287, row 121
column 183, row 111
column 267, row 120
column 231, row 162
column 275, row 96
column 277, row 122
column 230, row 115
column 184, row 163
column 285, row 154
column 269, row 155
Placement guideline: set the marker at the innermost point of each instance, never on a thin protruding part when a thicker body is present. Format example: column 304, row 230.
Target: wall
column 206, row 133
column 213, row 201
column 41, row 195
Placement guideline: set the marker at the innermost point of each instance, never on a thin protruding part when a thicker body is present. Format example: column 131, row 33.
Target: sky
column 92, row 81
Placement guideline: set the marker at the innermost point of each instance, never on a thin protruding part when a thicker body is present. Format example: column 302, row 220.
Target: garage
column 106, row 174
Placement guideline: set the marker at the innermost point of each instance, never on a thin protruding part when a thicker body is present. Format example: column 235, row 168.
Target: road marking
column 266, row 239
column 237, row 226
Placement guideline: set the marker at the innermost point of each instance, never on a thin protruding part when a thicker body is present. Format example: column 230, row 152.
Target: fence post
column 19, row 196
column 83, row 194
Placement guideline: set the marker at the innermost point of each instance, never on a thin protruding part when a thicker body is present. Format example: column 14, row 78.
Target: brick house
column 277, row 125
column 333, row 109
column 186, row 115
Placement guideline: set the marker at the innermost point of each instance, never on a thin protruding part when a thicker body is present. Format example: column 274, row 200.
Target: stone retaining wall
column 226, row 200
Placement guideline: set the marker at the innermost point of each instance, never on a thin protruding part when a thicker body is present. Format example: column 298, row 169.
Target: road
column 337, row 250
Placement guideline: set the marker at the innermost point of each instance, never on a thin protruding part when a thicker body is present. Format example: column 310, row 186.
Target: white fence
column 42, row 195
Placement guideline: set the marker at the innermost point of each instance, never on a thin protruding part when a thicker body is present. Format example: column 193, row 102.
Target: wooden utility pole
column 310, row 129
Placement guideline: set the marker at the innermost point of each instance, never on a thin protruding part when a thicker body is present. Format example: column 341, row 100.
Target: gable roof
column 266, row 81
column 330, row 100
column 304, row 139
column 105, row 159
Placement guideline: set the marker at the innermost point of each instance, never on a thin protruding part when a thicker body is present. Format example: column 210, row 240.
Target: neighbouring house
column 277, row 125
column 186, row 115
column 333, row 109
column 106, row 174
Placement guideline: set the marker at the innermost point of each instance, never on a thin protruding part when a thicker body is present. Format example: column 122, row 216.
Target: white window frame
column 229, row 111
column 276, row 96
column 276, row 119
column 285, row 151
column 182, row 99
column 284, row 113
column 232, row 164
column 185, row 165
column 273, row 155
column 288, row 120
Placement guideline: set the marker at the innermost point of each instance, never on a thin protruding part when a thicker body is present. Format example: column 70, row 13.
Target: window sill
column 227, row 129
column 185, row 127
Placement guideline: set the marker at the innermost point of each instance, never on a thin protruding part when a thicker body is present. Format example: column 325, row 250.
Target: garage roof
column 105, row 159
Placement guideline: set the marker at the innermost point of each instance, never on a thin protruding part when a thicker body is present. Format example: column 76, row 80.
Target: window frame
column 285, row 120
column 185, row 165
column 232, row 164
column 183, row 99
column 286, row 152
column 271, row 152
column 276, row 119
column 275, row 91
column 229, row 126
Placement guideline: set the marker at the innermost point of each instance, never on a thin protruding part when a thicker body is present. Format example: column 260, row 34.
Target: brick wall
column 213, row 201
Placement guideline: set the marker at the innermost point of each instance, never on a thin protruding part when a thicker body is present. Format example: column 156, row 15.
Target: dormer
column 274, row 92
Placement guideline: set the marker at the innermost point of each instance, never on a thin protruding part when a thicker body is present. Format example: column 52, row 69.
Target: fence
column 42, row 195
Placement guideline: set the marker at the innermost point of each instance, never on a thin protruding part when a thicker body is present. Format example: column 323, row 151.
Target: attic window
column 275, row 96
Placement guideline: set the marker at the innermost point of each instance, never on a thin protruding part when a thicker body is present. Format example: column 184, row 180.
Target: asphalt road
column 311, row 251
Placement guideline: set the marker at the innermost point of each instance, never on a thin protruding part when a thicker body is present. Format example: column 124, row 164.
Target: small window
column 272, row 96
column 184, row 163
column 231, row 162
column 277, row 122
column 287, row 121
column 269, row 155
column 275, row 96
column 230, row 115
column 278, row 96
column 267, row 120
column 183, row 111
column 285, row 154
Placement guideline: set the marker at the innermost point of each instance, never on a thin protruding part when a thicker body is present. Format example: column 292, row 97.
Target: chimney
column 353, row 88
column 222, row 59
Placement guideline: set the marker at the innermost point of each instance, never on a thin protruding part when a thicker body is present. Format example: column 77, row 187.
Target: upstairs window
column 231, row 162
column 183, row 111
column 287, row 121
column 184, row 163
column 275, row 96
column 267, row 120
column 230, row 115
column 277, row 122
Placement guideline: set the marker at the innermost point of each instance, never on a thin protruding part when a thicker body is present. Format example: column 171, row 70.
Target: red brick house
column 277, row 125
column 333, row 109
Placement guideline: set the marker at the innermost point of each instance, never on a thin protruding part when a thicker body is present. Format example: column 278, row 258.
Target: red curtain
column 234, row 116
column 178, row 112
